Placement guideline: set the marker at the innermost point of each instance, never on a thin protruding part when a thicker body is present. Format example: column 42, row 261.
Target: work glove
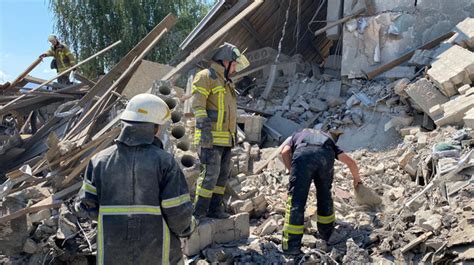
column 42, row 55
column 204, row 124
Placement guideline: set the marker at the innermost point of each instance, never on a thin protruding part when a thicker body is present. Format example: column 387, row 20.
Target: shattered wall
column 397, row 27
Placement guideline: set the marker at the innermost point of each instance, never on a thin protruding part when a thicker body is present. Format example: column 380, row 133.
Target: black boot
column 217, row 209
column 201, row 207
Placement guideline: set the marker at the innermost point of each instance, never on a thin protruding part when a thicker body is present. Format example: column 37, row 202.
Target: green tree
column 87, row 26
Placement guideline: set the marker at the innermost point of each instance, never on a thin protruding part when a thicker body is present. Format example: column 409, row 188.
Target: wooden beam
column 26, row 72
column 416, row 242
column 36, row 80
column 53, row 201
column 405, row 57
column 63, row 73
column 204, row 46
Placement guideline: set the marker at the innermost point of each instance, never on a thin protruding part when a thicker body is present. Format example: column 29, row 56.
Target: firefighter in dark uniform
column 309, row 155
column 137, row 192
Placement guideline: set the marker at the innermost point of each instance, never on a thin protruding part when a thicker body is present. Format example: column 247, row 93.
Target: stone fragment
column 317, row 105
column 355, row 254
column 400, row 86
column 421, row 58
column 425, row 94
column 268, row 227
column 30, row 246
column 465, row 33
column 40, row 216
column 462, row 90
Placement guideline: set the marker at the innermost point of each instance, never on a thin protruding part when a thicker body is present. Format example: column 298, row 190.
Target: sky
column 24, row 29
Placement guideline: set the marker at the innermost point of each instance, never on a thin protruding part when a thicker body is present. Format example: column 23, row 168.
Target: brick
column 406, row 158
column 465, row 30
column 425, row 94
column 452, row 69
column 411, row 130
column 462, row 90
column 455, row 110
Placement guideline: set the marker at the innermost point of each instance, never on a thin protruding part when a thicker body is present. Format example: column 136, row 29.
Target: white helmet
column 52, row 37
column 146, row 108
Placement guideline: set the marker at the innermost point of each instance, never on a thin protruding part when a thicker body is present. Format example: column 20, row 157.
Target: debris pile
column 411, row 133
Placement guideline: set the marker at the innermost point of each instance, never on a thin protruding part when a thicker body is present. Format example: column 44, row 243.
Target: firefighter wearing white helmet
column 214, row 105
column 137, row 192
column 63, row 58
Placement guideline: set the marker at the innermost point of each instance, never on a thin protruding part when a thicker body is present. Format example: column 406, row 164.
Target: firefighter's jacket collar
column 135, row 134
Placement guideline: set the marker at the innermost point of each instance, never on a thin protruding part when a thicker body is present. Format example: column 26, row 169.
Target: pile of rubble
column 412, row 137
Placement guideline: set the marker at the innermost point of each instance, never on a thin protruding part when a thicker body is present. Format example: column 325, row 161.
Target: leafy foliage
column 87, row 26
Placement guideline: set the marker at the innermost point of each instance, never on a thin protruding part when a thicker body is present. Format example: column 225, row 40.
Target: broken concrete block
column 422, row 141
column 332, row 88
column 425, row 94
column 268, row 227
column 436, row 110
column 30, row 246
column 283, row 126
column 455, row 110
column 199, row 240
column 412, row 130
column 40, row 216
column 262, row 56
column 223, row 230
column 398, row 122
column 253, row 125
column 259, row 204
column 400, row 86
column 241, row 225
column 452, row 69
column 462, row 90
column 465, row 33
column 366, row 196
column 406, row 158
column 469, row 119
column 317, row 105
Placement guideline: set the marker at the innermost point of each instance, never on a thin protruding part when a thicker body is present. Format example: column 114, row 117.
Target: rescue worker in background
column 214, row 104
column 309, row 155
column 138, row 192
column 63, row 58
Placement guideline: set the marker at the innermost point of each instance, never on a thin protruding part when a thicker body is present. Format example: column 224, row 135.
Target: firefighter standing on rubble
column 214, row 105
column 137, row 192
column 309, row 155
column 63, row 58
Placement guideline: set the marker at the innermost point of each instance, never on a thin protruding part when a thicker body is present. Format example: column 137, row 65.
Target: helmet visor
column 242, row 63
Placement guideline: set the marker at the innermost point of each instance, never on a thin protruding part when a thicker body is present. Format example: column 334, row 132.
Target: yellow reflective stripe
column 129, row 209
column 287, row 221
column 201, row 90
column 219, row 190
column 100, row 240
column 89, row 188
column 220, row 111
column 203, row 192
column 326, row 219
column 166, row 244
column 176, row 201
column 218, row 89
column 200, row 180
column 293, row 229
column 200, row 113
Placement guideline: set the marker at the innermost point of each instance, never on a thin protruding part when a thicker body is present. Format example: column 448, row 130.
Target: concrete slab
column 426, row 95
column 455, row 110
column 330, row 89
column 283, row 126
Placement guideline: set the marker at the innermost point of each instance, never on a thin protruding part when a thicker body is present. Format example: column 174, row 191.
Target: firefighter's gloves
column 204, row 124
column 191, row 229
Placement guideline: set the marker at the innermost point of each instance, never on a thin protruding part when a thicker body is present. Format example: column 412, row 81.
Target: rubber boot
column 201, row 207
column 216, row 209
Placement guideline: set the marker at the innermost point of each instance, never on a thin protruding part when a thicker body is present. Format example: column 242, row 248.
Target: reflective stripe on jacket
column 64, row 58
column 216, row 99
column 140, row 198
